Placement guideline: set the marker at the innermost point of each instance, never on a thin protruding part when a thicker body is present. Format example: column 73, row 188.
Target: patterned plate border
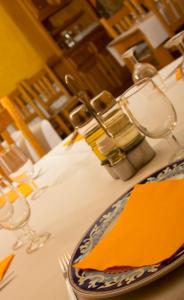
column 106, row 284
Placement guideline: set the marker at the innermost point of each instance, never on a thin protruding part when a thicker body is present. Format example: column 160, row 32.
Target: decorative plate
column 107, row 284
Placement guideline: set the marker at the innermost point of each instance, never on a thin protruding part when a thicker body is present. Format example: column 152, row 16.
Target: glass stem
column 133, row 60
column 33, row 184
column 173, row 141
column 29, row 232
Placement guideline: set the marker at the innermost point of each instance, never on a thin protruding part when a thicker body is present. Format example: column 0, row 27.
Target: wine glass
column 15, row 213
column 177, row 41
column 19, row 168
column 152, row 112
column 141, row 70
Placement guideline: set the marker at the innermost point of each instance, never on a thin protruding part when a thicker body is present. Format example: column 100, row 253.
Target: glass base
column 22, row 240
column 38, row 242
column 18, row 244
column 177, row 156
column 38, row 192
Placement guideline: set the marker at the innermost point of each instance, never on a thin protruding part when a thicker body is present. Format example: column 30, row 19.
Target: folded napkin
column 24, row 188
column 178, row 73
column 148, row 231
column 4, row 264
column 78, row 138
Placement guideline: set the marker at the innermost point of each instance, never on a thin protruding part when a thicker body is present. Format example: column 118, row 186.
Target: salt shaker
column 118, row 163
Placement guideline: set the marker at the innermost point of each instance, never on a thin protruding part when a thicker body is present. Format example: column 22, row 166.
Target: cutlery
column 7, row 280
column 64, row 263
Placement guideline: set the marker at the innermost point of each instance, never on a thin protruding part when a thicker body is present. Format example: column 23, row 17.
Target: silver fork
column 6, row 280
column 64, row 263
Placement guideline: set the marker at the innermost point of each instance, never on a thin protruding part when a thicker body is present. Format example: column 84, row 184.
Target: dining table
column 78, row 190
column 149, row 26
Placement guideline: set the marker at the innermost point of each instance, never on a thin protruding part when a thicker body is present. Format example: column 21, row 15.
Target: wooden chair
column 159, row 55
column 51, row 98
column 106, row 66
column 5, row 121
column 123, row 19
column 119, row 22
column 135, row 7
column 116, row 26
column 95, row 68
column 170, row 14
column 9, row 114
column 22, row 101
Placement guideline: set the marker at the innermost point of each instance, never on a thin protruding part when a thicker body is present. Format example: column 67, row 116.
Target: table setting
column 92, row 259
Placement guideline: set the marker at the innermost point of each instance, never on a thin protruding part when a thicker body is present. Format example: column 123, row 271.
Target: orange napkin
column 178, row 73
column 4, row 264
column 78, row 138
column 148, row 231
column 25, row 190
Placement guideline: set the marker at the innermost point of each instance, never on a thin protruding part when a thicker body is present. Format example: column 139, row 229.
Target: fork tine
column 64, row 261
column 6, row 281
column 67, row 260
column 61, row 265
column 6, row 276
column 68, row 255
column 65, row 264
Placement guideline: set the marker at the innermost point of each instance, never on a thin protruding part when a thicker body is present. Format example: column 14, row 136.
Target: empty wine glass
column 19, row 168
column 152, row 112
column 15, row 213
column 177, row 41
column 141, row 70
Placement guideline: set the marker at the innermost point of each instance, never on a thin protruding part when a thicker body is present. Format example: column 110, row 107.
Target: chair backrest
column 170, row 13
column 22, row 102
column 5, row 121
column 11, row 112
column 44, row 87
column 123, row 19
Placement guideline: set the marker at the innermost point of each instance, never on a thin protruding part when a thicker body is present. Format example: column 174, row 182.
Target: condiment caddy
column 114, row 139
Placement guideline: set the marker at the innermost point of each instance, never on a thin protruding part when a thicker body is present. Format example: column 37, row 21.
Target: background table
column 80, row 189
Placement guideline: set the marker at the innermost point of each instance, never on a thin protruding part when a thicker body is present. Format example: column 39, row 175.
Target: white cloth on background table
column 45, row 134
column 150, row 27
column 153, row 30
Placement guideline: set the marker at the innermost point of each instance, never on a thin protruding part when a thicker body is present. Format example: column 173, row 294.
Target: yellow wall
column 18, row 58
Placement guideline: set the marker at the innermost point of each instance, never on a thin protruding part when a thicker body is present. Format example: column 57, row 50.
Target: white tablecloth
column 80, row 189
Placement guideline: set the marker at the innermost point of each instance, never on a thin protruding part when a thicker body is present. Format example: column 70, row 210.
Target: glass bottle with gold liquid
column 88, row 127
column 123, row 132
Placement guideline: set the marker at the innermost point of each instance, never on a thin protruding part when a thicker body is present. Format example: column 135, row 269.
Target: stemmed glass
column 152, row 112
column 15, row 213
column 141, row 70
column 19, row 168
column 177, row 41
